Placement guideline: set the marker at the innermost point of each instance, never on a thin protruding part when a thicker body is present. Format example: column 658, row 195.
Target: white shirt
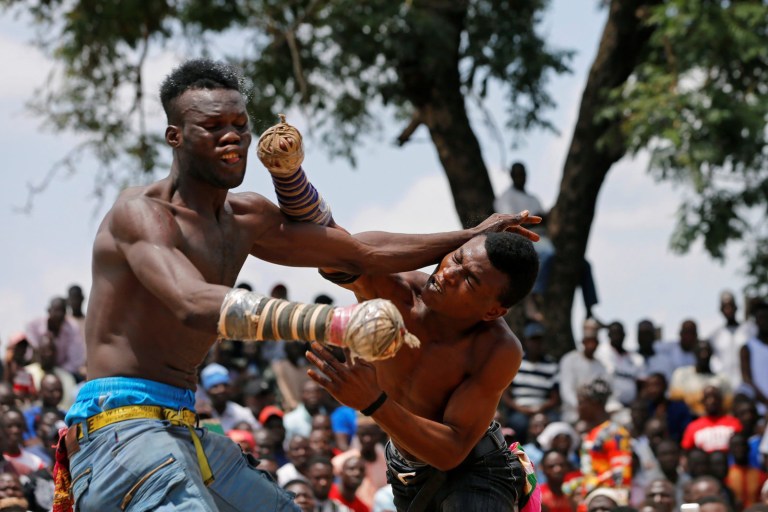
column 575, row 370
column 726, row 344
column 233, row 414
column 624, row 370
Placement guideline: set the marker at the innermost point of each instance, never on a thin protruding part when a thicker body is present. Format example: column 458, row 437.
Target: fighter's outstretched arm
column 443, row 444
column 305, row 244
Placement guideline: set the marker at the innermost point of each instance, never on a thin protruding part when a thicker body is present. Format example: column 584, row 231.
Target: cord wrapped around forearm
column 372, row 330
column 281, row 150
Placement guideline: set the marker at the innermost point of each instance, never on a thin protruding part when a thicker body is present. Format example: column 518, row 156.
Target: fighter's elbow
column 448, row 462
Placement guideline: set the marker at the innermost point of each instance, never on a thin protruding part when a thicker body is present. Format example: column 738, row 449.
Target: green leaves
column 699, row 102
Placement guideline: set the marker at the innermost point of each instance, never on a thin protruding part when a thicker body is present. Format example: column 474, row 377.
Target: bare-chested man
column 165, row 258
column 436, row 402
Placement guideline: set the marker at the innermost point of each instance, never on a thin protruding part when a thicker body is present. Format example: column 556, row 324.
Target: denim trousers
column 139, row 465
column 149, row 464
column 490, row 483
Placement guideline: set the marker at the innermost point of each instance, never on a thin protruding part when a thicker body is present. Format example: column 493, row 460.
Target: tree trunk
column 430, row 74
column 596, row 145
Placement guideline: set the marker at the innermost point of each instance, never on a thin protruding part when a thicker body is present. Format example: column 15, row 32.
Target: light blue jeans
column 148, row 464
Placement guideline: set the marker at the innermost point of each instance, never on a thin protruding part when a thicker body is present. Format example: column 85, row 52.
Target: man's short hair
column 515, row 256
column 198, row 74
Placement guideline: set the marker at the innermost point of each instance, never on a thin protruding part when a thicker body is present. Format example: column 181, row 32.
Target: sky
column 394, row 189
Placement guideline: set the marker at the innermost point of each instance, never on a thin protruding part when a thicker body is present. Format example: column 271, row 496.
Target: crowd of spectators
column 677, row 421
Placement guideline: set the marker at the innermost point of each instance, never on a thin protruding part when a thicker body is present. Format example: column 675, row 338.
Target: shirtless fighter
column 165, row 259
column 436, row 402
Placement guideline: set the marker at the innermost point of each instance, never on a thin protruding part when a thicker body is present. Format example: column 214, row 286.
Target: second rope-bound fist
column 372, row 330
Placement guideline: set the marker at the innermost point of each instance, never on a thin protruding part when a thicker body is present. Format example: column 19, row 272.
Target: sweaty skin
column 443, row 396
column 166, row 254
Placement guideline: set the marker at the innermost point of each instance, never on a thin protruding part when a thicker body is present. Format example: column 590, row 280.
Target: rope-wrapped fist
column 281, row 149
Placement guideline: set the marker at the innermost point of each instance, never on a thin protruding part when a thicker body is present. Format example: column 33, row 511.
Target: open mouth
column 435, row 285
column 231, row 157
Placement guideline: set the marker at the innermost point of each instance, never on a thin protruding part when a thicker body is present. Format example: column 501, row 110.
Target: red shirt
column 356, row 505
column 710, row 433
column 555, row 503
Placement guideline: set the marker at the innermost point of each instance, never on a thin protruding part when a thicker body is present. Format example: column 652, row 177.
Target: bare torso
column 129, row 330
column 424, row 380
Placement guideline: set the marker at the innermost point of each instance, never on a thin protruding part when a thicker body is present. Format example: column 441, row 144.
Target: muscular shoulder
column 249, row 203
column 141, row 213
column 498, row 353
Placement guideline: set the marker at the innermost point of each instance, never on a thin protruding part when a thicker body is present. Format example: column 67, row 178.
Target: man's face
column 704, row 488
column 646, row 336
column 57, row 311
column 368, row 435
column 305, row 499
column 662, row 495
column 616, row 335
column 601, row 504
column 322, row 422
column 75, row 299
column 668, row 455
column 320, row 443
column 713, row 401
column 219, row 394
column 590, row 346
column 320, row 478
column 213, row 136
column 311, row 394
column 466, row 284
column 46, row 352
column 728, row 309
column 299, row 451
column 14, row 429
column 761, row 320
column 353, row 472
column 51, row 392
column 554, row 467
column 654, row 388
column 10, row 487
column 689, row 335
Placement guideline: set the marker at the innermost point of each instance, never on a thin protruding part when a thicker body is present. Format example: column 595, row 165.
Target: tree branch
column 405, row 135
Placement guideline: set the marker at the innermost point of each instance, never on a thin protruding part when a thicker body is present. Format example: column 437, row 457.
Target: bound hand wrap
column 372, row 330
column 281, row 150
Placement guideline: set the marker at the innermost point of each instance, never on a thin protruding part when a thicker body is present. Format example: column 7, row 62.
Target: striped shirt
column 534, row 382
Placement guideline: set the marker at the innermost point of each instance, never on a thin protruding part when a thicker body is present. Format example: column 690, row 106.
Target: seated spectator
column 244, row 439
column 533, row 449
column 352, row 474
column 269, row 464
column 305, row 498
column 45, row 363
column 320, row 475
column 371, row 452
column 579, row 367
column 272, row 436
column 675, row 412
column 12, row 493
column 606, row 457
column 754, row 357
column 50, row 398
column 713, row 431
column 744, row 481
column 16, row 359
column 299, row 454
column 661, row 494
column 554, row 466
column 688, row 382
column 706, row 487
column 13, row 426
column 299, row 420
column 669, row 457
column 745, row 410
column 217, row 384
column 727, row 341
column 713, row 504
column 70, row 345
column 604, row 499
column 561, row 437
column 623, row 367
column 534, row 389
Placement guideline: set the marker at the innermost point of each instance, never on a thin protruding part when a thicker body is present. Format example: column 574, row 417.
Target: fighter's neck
column 449, row 327
column 189, row 192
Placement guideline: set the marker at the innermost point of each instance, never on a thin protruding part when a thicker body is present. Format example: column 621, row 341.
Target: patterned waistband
column 99, row 395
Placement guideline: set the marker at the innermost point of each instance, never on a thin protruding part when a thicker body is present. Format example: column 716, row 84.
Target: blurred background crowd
column 680, row 420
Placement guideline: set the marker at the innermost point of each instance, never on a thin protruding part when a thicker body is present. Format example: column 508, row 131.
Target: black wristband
column 375, row 405
column 339, row 277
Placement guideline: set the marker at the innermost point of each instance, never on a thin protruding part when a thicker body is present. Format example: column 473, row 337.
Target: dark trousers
column 490, row 481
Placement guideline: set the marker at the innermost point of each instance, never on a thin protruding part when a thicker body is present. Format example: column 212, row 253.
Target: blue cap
column 213, row 375
column 533, row 330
